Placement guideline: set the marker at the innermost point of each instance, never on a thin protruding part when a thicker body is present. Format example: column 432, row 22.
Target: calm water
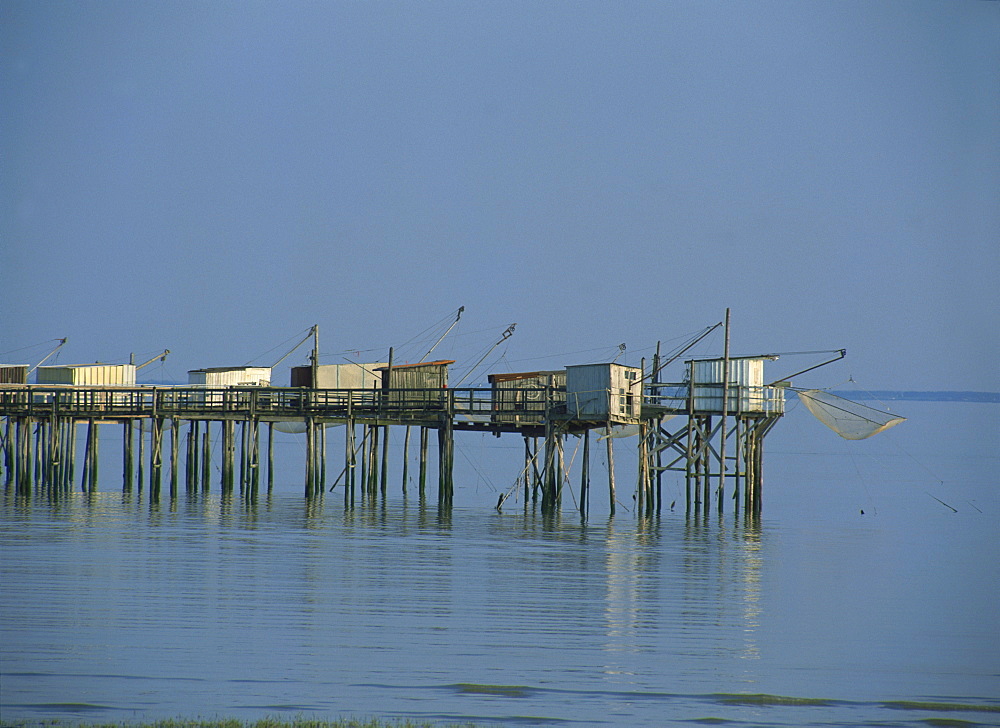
column 112, row 608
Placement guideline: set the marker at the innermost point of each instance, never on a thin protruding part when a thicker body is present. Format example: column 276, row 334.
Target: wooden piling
column 310, row 459
column 254, row 456
column 39, row 450
column 243, row 457
column 270, row 457
column 7, row 459
column 155, row 458
column 560, row 471
column 322, row 459
column 640, row 495
column 373, row 450
column 611, row 468
column 422, row 476
column 141, row 475
column 585, row 474
column 191, row 457
column 228, row 450
column 384, row 475
column 175, row 430
column 206, row 458
column 406, row 456
column 71, row 445
column 527, row 469
column 536, row 474
column 93, row 441
column 128, row 456
column 350, row 460
column 446, row 450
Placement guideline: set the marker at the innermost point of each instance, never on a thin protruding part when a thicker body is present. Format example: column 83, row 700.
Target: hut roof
column 440, row 362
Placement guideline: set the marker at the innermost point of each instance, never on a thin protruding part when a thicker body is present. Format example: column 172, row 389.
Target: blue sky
column 214, row 178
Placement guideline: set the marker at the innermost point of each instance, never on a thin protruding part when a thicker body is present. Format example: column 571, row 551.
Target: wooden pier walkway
column 39, row 434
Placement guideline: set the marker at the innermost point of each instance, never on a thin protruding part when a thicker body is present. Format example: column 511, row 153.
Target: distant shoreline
column 921, row 396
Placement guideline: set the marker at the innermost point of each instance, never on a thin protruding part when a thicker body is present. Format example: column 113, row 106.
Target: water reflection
column 375, row 589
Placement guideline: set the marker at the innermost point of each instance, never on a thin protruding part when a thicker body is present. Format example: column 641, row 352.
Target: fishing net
column 850, row 420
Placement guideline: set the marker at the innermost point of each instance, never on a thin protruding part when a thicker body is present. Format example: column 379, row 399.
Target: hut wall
column 231, row 377
column 14, row 373
column 426, row 380
column 604, row 392
column 747, row 392
column 88, row 375
column 340, row 376
column 520, row 398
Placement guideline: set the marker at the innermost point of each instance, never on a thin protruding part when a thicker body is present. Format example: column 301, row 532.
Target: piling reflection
column 519, row 580
column 705, row 565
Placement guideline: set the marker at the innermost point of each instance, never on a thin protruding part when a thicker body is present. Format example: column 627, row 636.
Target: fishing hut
column 521, row 398
column 609, row 393
column 353, row 375
column 429, row 375
column 230, row 377
column 14, row 373
column 597, row 396
column 87, row 375
column 727, row 409
column 418, row 394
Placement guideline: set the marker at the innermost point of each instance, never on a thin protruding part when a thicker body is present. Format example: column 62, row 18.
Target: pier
column 711, row 432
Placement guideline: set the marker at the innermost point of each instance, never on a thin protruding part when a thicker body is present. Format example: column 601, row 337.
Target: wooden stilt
column 310, row 459
column 254, row 487
column 322, row 459
column 206, row 458
column 96, row 458
column 528, row 458
column 71, row 445
column 406, row 456
column 175, row 431
column 640, row 496
column 270, row 457
column 89, row 457
column 141, row 480
column 156, row 458
column 8, row 461
column 383, row 476
column 128, row 456
column 422, row 477
column 372, row 487
column 243, row 457
column 611, row 468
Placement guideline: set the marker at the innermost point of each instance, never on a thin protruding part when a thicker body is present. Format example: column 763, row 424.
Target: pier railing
column 242, row 402
column 472, row 404
column 708, row 398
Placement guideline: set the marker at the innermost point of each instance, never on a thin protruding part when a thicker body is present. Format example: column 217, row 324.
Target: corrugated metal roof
column 418, row 364
column 513, row 376
column 225, row 369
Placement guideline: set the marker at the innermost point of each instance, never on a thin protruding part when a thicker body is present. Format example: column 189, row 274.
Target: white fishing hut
column 747, row 393
column 520, row 397
column 604, row 393
column 14, row 373
column 88, row 375
column 340, row 376
column 230, row 377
